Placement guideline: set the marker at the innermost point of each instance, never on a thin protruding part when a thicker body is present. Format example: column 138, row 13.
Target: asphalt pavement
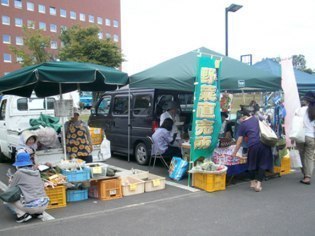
column 284, row 207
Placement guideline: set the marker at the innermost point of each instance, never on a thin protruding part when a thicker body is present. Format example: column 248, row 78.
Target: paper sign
column 97, row 170
column 156, row 182
column 132, row 187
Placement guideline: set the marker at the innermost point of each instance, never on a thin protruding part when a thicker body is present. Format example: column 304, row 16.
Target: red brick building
column 52, row 17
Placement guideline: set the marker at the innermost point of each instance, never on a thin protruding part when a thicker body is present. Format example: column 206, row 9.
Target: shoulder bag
column 267, row 135
column 12, row 194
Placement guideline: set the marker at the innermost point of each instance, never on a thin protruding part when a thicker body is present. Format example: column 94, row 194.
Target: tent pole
column 63, row 127
column 129, row 99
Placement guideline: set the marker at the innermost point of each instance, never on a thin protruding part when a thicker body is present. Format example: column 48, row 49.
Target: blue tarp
column 305, row 82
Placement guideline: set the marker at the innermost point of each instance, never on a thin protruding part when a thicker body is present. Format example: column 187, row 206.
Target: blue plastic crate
column 77, row 175
column 77, row 195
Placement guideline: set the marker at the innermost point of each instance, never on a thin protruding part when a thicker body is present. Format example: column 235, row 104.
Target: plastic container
column 97, row 135
column 285, row 167
column 135, row 173
column 132, row 186
column 57, row 196
column 97, row 169
column 154, row 183
column 107, row 189
column 77, row 175
column 77, row 195
column 209, row 182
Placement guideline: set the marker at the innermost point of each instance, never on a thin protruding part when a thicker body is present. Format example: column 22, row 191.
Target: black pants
column 172, row 152
column 257, row 174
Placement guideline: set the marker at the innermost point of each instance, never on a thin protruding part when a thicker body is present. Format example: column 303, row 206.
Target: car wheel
column 141, row 154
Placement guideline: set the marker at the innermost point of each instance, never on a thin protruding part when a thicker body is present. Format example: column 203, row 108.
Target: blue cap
column 23, row 159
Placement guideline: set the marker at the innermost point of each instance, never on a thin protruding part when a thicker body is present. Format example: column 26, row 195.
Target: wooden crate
column 106, row 189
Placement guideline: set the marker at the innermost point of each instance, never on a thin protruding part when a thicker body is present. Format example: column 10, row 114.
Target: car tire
column 142, row 154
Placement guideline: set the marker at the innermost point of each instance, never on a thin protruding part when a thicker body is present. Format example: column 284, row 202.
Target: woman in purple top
column 259, row 155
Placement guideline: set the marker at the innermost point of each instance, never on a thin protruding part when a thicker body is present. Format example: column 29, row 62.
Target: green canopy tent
column 52, row 78
column 180, row 72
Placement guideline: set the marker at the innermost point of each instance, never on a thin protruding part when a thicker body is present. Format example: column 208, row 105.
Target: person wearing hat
column 307, row 148
column 171, row 112
column 259, row 155
column 78, row 138
column 34, row 200
column 28, row 143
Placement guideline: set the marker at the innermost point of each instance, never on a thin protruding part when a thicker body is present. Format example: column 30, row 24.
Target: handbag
column 12, row 194
column 297, row 132
column 295, row 159
column 267, row 135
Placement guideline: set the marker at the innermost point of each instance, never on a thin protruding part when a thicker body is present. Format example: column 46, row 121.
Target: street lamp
column 231, row 8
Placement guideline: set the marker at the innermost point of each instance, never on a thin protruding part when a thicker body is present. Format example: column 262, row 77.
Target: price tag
column 156, row 182
column 112, row 192
column 132, row 187
column 97, row 170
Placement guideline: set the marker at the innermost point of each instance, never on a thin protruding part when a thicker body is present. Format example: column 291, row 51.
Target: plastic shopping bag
column 295, row 159
column 178, row 168
column 297, row 129
column 104, row 152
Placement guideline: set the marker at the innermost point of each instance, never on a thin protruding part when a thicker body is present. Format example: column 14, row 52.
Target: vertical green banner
column 206, row 113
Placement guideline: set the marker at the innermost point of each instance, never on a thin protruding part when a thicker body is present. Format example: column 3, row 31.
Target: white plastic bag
column 295, row 159
column 104, row 152
column 297, row 129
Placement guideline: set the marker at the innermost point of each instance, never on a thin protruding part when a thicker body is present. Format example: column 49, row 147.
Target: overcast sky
column 156, row 30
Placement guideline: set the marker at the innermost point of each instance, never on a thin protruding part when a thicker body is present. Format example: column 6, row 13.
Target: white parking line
column 46, row 216
column 182, row 186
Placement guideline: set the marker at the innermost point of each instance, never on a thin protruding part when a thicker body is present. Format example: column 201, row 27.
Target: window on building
column 115, row 23
column 19, row 40
column 63, row 13
column 99, row 20
column 7, row 58
column 53, row 28
column 73, row 15
column 42, row 26
column 52, row 11
column 107, row 22
column 18, row 4
column 5, row 2
column 41, row 8
column 18, row 22
column 6, row 39
column 19, row 59
column 5, row 20
column 116, row 38
column 82, row 17
column 30, row 24
column 108, row 36
column 30, row 6
column 91, row 19
column 100, row 35
column 53, row 45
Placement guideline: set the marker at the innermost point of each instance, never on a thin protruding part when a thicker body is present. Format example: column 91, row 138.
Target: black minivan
column 146, row 105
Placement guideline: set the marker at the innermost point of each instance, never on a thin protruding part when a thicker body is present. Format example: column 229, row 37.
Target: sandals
column 258, row 187
column 308, row 182
column 253, row 184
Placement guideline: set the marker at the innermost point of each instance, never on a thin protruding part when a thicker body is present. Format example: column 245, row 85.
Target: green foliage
column 83, row 45
column 34, row 50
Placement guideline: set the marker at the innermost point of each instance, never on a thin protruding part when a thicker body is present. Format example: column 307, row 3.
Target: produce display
column 207, row 166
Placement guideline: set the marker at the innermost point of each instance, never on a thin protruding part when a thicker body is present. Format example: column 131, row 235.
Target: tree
column 34, row 49
column 84, row 45
column 298, row 62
